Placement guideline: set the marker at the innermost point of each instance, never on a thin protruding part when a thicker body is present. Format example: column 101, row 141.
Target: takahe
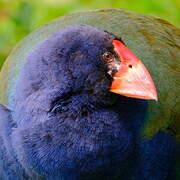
column 92, row 95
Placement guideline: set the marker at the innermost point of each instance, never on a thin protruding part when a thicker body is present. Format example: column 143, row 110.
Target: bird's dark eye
column 107, row 56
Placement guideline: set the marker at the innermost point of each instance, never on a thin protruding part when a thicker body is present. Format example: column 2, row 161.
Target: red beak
column 132, row 78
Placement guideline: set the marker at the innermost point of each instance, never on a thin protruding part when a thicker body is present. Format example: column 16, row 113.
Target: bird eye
column 107, row 56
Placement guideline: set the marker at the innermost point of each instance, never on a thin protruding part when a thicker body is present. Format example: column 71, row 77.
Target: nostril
column 130, row 66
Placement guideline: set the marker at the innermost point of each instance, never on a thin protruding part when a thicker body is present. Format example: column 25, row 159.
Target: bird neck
column 74, row 104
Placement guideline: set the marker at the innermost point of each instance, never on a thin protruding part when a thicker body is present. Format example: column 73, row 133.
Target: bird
column 92, row 95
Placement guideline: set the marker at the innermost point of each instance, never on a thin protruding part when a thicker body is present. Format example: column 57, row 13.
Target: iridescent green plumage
column 154, row 41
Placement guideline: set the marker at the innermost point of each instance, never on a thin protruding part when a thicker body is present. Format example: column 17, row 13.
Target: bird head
column 89, row 61
column 83, row 59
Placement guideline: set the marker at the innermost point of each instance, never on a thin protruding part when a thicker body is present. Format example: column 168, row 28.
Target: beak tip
column 155, row 96
column 153, row 92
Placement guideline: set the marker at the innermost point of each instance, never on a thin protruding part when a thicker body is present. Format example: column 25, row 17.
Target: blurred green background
column 19, row 17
